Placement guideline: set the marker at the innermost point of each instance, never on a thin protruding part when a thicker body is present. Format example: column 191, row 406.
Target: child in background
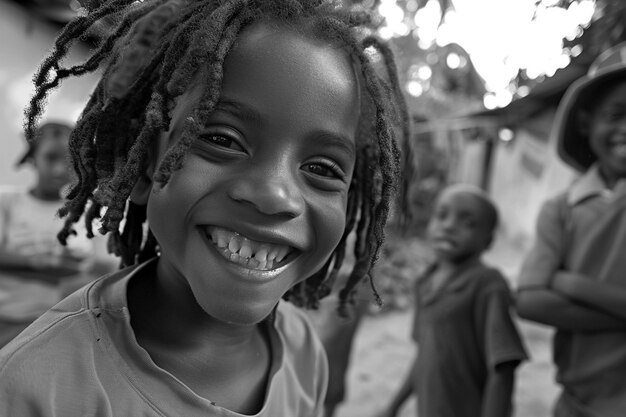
column 574, row 277
column 36, row 271
column 469, row 346
column 254, row 137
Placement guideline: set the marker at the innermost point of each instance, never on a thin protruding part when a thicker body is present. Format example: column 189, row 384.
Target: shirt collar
column 589, row 185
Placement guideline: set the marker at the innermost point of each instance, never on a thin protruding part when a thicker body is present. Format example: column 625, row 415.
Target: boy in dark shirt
column 469, row 346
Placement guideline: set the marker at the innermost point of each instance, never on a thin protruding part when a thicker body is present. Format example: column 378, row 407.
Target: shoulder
column 555, row 205
column 489, row 279
column 302, row 347
column 64, row 330
column 63, row 351
column 304, row 360
column 43, row 353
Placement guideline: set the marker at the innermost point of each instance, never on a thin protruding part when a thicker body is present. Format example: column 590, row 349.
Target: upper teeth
column 245, row 251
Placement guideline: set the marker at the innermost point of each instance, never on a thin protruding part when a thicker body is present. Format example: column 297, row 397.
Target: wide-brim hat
column 572, row 143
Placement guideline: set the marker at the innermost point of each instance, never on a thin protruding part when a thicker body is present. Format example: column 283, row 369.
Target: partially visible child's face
column 260, row 201
column 607, row 133
column 459, row 227
column 50, row 160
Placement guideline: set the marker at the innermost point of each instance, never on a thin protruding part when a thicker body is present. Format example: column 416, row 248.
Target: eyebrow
column 248, row 113
column 340, row 142
column 239, row 110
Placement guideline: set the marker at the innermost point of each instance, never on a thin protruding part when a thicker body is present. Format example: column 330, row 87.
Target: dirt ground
column 383, row 351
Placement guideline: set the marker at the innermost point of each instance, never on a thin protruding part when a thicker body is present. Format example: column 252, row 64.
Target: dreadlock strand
column 174, row 157
column 145, row 41
column 92, row 213
column 121, row 29
column 407, row 149
column 71, row 32
column 132, row 235
column 149, row 249
column 125, row 179
column 203, row 44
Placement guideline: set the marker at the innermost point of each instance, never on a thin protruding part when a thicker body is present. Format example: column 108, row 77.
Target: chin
column 240, row 316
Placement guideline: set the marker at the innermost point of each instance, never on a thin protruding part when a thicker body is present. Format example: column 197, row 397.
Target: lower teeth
column 251, row 263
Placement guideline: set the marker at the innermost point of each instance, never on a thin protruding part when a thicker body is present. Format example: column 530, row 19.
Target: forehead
column 465, row 202
column 279, row 71
column 291, row 72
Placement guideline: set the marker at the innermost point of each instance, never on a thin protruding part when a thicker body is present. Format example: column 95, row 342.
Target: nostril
column 269, row 197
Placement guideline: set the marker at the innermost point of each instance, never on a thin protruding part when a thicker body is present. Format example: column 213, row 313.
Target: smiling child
column 573, row 277
column 238, row 143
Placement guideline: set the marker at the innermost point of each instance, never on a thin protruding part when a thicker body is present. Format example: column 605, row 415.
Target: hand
column 569, row 284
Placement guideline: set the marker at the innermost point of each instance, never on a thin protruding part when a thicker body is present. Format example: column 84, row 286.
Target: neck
column 455, row 264
column 610, row 178
column 165, row 310
column 185, row 341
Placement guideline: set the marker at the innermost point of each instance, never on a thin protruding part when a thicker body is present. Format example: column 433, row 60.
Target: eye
column 222, row 141
column 324, row 169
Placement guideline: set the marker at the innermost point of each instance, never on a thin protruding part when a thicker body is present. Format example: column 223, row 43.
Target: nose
column 272, row 193
column 448, row 223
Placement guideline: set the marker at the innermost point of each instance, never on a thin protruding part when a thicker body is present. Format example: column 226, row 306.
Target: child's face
column 607, row 133
column 459, row 227
column 260, row 202
column 50, row 159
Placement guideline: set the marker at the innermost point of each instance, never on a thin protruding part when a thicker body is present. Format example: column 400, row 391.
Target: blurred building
column 510, row 152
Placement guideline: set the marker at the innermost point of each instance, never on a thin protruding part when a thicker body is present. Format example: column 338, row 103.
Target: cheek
column 329, row 224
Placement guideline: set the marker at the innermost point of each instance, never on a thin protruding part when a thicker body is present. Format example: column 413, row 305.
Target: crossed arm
column 550, row 295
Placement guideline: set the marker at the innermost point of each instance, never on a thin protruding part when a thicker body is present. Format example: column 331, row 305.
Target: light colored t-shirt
column 584, row 231
column 29, row 227
column 82, row 359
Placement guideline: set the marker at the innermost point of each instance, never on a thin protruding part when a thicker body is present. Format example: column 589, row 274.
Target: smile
column 246, row 252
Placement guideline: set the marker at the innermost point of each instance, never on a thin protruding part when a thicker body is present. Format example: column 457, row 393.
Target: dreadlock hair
column 150, row 60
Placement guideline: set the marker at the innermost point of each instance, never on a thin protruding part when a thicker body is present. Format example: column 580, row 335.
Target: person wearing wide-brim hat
column 574, row 276
column 579, row 99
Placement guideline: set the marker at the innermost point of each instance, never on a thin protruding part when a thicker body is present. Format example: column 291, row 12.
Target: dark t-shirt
column 464, row 329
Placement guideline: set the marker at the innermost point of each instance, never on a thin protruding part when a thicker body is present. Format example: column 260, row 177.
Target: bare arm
column 598, row 295
column 547, row 306
column 499, row 391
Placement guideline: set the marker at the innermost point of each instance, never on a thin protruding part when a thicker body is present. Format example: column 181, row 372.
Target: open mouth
column 248, row 253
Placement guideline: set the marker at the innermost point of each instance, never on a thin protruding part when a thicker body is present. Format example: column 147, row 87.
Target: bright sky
column 500, row 36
